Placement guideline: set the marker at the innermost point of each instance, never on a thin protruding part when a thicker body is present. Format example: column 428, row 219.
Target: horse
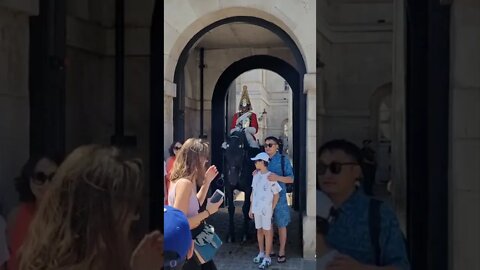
column 238, row 168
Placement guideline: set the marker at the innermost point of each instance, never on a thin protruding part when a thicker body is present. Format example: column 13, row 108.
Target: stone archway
column 290, row 74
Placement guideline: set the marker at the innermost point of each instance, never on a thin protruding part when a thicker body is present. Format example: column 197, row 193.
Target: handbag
column 206, row 242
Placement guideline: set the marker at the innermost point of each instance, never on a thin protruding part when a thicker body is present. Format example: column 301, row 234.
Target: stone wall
column 90, row 76
column 465, row 135
column 14, row 96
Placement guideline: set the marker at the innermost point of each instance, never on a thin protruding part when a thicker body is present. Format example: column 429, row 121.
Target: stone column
column 464, row 197
column 170, row 90
column 14, row 95
column 309, row 217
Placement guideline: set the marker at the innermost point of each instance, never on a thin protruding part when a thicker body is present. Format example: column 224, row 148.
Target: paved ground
column 232, row 256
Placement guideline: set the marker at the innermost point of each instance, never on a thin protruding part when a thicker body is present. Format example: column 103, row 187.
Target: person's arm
column 183, row 192
column 254, row 122
column 275, row 200
column 202, row 193
column 210, row 174
column 288, row 178
column 234, row 121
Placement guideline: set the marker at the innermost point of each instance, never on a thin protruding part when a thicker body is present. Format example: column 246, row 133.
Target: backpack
column 289, row 186
column 374, row 223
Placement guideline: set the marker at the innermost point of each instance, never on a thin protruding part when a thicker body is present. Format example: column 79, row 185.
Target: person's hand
column 344, row 262
column 213, row 207
column 149, row 253
column 273, row 177
column 250, row 214
column 210, row 174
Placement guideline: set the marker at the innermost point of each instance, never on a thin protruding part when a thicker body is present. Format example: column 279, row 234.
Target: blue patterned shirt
column 275, row 166
column 349, row 233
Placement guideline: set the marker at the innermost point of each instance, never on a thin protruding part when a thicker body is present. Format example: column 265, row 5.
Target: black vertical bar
column 428, row 28
column 119, row 65
column 438, row 131
column 202, row 66
column 416, row 100
column 156, row 120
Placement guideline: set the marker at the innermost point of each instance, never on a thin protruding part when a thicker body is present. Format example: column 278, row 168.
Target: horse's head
column 235, row 154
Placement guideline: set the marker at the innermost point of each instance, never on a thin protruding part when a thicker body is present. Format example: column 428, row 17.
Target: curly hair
column 22, row 182
column 84, row 221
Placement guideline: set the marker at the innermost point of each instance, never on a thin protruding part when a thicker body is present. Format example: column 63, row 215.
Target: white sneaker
column 259, row 258
column 265, row 263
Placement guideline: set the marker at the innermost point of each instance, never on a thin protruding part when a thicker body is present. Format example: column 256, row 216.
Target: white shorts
column 263, row 220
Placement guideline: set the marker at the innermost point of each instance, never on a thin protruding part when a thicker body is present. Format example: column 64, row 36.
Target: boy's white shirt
column 263, row 191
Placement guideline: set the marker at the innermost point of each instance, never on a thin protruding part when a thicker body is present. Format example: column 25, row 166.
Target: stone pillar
column 14, row 95
column 398, row 117
column 309, row 217
column 170, row 90
column 464, row 197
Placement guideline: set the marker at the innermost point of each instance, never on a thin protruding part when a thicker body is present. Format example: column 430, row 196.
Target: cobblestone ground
column 232, row 256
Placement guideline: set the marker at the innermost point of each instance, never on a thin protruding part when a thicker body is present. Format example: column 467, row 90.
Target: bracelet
column 208, row 212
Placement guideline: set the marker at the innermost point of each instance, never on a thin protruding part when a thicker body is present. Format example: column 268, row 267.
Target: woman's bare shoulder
column 183, row 183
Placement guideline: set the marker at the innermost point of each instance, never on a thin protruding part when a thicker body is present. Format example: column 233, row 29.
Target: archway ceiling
column 240, row 35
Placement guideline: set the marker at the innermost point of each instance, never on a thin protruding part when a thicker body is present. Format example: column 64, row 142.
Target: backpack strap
column 374, row 219
column 283, row 165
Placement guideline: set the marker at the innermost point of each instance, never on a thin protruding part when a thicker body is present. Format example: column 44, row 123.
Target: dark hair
column 343, row 145
column 170, row 149
column 264, row 162
column 22, row 182
column 277, row 141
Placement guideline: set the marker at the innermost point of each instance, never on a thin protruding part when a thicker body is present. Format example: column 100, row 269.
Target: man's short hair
column 347, row 147
column 177, row 238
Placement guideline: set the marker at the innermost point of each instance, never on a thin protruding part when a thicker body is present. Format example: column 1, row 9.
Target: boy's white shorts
column 263, row 220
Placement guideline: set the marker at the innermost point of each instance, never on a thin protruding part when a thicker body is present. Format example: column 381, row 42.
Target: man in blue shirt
column 339, row 170
column 281, row 215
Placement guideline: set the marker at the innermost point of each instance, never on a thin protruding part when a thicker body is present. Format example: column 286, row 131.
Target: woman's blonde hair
column 189, row 162
column 84, row 219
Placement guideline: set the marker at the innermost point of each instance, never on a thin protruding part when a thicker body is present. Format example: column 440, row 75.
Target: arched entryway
column 293, row 77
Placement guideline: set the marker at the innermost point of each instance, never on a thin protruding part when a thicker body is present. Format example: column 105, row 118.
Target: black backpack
column 289, row 186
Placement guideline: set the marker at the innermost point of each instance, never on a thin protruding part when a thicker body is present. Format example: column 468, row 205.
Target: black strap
column 374, row 219
column 283, row 165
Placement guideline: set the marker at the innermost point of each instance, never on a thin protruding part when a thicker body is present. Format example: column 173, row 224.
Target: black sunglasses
column 177, row 147
column 41, row 177
column 334, row 167
column 270, row 145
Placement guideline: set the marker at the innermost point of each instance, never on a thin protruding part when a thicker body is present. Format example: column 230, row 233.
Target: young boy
column 263, row 200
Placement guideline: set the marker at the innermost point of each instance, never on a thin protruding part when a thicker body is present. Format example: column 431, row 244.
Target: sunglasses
column 41, row 177
column 270, row 145
column 334, row 167
column 177, row 147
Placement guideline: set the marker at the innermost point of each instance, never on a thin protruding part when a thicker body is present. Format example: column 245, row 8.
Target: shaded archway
column 294, row 79
column 179, row 77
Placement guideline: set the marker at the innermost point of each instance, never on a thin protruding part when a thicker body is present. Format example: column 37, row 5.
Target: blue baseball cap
column 177, row 235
